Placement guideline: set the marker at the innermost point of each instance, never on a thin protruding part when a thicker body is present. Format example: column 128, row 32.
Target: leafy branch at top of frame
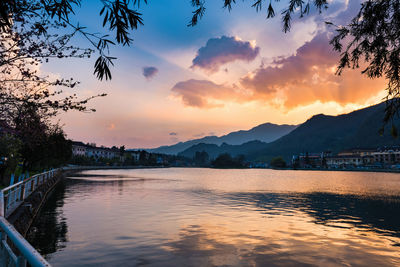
column 119, row 16
column 294, row 6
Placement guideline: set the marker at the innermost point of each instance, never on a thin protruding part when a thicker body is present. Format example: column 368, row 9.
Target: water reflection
column 202, row 246
column 49, row 232
column 380, row 213
column 145, row 218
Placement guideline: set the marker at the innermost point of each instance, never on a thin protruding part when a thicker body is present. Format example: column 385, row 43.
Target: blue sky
column 262, row 75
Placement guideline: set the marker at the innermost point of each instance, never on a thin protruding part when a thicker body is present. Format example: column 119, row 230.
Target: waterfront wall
column 23, row 217
column 83, row 168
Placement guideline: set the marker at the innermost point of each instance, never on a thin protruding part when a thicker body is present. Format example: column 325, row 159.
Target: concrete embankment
column 23, row 217
column 83, row 168
column 341, row 170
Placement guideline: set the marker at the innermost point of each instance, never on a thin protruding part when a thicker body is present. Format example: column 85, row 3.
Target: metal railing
column 28, row 253
column 11, row 198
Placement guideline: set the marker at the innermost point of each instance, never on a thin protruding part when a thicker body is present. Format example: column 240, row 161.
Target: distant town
column 374, row 158
column 352, row 159
column 91, row 154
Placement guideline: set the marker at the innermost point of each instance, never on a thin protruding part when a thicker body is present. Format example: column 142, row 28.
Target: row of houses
column 79, row 149
column 379, row 157
column 91, row 150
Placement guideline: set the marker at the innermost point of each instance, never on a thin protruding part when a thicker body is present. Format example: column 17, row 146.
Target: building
column 344, row 161
column 78, row 149
column 362, row 152
column 387, row 155
column 351, row 158
column 135, row 155
column 91, row 150
column 102, row 152
column 310, row 160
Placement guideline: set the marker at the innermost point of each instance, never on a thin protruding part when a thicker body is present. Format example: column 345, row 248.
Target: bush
column 9, row 156
column 278, row 162
column 226, row 161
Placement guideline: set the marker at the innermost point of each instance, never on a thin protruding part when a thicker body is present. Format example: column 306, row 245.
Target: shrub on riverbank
column 226, row 161
column 278, row 162
column 32, row 151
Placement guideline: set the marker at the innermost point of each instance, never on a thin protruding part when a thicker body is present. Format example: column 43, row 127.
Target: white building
column 78, row 149
column 344, row 161
column 135, row 155
column 387, row 155
column 81, row 149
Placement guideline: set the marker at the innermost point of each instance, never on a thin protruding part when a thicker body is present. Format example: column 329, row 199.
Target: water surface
column 210, row 217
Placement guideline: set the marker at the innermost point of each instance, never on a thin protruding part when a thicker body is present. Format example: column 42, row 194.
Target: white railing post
column 27, row 252
column 12, row 196
column 1, row 203
column 23, row 192
column 33, row 184
column 29, row 188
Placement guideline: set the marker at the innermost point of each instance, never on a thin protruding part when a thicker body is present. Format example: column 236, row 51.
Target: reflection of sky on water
column 192, row 217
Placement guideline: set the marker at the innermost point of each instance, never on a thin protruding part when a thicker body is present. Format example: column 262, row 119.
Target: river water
column 211, row 217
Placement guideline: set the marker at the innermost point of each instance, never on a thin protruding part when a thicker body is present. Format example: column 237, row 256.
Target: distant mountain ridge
column 357, row 129
column 214, row 150
column 266, row 132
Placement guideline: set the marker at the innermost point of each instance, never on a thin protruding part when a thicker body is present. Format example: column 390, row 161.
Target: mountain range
column 358, row 129
column 266, row 132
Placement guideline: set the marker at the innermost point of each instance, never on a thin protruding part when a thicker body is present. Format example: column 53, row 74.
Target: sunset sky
column 233, row 71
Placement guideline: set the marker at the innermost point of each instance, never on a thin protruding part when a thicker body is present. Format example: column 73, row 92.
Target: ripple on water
column 206, row 217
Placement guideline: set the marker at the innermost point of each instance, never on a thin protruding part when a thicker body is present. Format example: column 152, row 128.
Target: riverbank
column 340, row 170
column 23, row 216
column 94, row 167
column 83, row 168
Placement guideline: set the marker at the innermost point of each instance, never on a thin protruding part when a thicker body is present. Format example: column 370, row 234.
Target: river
column 212, row 217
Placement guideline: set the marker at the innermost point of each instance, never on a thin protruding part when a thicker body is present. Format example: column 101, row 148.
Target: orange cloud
column 301, row 79
column 206, row 94
column 309, row 76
